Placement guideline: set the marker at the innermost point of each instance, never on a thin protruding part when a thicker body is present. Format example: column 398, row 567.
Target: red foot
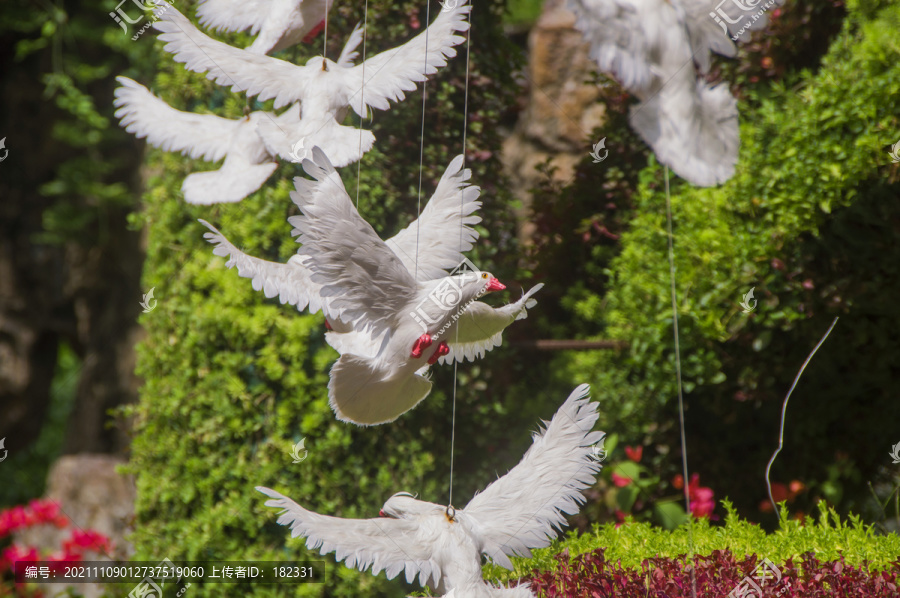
column 420, row 345
column 328, row 325
column 442, row 350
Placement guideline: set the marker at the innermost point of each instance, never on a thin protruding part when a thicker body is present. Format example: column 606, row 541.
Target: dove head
column 320, row 63
column 402, row 505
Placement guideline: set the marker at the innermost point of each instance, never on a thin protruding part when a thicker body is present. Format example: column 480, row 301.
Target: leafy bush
column 824, row 555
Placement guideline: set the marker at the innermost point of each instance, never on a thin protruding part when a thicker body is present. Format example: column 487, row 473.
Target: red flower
column 678, row 482
column 84, row 541
column 634, row 454
column 620, row 481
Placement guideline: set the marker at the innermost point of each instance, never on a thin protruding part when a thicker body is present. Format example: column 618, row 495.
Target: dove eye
column 484, row 274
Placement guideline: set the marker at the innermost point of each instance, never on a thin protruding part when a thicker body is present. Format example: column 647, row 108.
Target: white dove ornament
column 444, row 547
column 277, row 24
column 387, row 335
column 370, row 290
column 248, row 164
column 323, row 88
column 652, row 48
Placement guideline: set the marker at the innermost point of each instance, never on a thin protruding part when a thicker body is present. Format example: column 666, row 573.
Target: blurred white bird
column 247, row 161
column 374, row 288
column 652, row 47
column 325, row 89
column 442, row 546
column 279, row 23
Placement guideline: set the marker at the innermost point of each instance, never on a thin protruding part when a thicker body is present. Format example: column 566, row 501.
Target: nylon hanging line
column 362, row 97
column 422, row 135
column 684, row 463
column 784, row 412
column 462, row 200
column 325, row 36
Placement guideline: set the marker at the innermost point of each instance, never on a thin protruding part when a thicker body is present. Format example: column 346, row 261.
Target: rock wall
column 561, row 107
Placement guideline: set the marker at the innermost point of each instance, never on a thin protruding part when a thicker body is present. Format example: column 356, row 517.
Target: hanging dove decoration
column 248, row 164
column 324, row 88
column 277, row 24
column 442, row 546
column 655, row 48
column 394, row 309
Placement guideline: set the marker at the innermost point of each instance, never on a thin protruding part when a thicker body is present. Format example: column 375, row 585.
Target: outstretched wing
column 357, row 270
column 524, row 508
column 436, row 241
column 349, row 53
column 233, row 15
column 289, row 282
column 619, row 44
column 480, row 327
column 243, row 71
column 391, row 73
column 384, row 544
column 143, row 114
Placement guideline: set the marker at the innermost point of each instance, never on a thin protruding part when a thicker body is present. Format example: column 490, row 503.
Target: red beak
column 495, row 285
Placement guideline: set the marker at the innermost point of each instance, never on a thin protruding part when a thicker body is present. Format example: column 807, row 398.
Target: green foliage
column 828, row 537
column 806, row 220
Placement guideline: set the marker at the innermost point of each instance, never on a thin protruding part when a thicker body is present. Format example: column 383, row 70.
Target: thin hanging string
column 784, row 412
column 684, row 463
column 462, row 203
column 325, row 36
column 422, row 136
column 362, row 98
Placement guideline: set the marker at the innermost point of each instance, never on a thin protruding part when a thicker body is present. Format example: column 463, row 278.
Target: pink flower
column 702, row 503
column 15, row 553
column 620, row 481
column 44, row 511
column 14, row 519
column 86, row 541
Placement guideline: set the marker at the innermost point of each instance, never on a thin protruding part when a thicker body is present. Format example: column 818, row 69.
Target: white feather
column 324, row 89
column 652, row 47
column 278, row 23
column 247, row 161
column 521, row 510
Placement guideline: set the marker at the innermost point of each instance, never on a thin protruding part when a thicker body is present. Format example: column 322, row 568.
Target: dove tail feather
column 360, row 393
